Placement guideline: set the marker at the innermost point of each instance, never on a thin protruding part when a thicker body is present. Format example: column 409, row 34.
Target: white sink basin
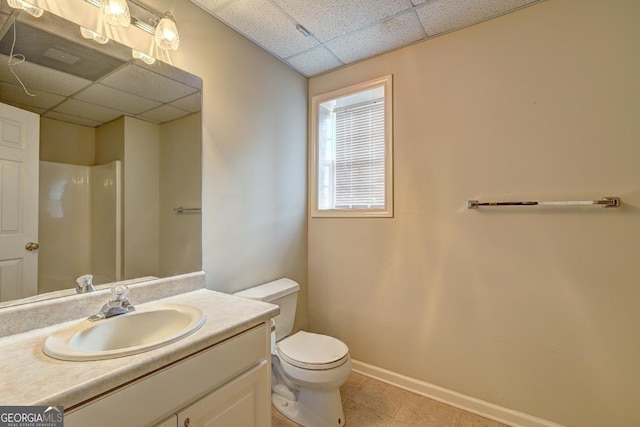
column 145, row 329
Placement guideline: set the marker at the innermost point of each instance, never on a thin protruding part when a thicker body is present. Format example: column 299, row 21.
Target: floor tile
column 353, row 383
column 397, row 423
column 279, row 420
column 424, row 412
column 371, row 403
column 357, row 415
column 466, row 419
column 379, row 396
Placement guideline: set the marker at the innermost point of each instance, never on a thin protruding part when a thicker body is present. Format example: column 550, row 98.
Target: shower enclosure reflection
column 80, row 223
column 116, row 220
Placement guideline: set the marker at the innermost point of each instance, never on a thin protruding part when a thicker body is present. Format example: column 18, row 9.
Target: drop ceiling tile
column 314, row 61
column 35, row 76
column 174, row 73
column 441, row 16
column 328, row 19
column 38, row 111
column 138, row 81
column 384, row 37
column 72, row 119
column 191, row 103
column 73, row 107
column 212, row 5
column 266, row 25
column 164, row 113
column 16, row 94
column 116, row 99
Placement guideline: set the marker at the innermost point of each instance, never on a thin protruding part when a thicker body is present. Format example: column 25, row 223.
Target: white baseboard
column 452, row 398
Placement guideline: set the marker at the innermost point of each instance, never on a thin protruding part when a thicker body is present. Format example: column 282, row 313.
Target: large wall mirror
column 119, row 163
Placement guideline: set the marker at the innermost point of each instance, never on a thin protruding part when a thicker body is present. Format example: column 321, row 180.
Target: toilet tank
column 282, row 292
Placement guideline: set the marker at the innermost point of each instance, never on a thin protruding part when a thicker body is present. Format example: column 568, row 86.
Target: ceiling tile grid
column 265, row 23
column 54, row 115
column 39, row 99
column 164, row 113
column 86, row 110
column 133, row 79
column 38, row 77
column 341, row 32
column 314, row 61
column 389, row 35
column 191, row 103
column 116, row 99
column 442, row 16
column 328, row 19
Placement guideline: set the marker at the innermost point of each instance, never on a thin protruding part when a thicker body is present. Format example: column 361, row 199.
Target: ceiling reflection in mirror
column 78, row 82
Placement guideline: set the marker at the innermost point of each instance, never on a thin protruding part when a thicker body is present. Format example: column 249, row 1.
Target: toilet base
column 314, row 408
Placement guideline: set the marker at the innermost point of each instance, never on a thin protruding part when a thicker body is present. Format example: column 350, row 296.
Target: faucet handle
column 118, row 304
column 85, row 284
column 119, row 292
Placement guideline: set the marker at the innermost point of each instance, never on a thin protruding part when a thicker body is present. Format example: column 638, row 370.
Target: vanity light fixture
column 29, row 8
column 92, row 35
column 131, row 12
column 143, row 57
column 116, row 12
column 167, row 36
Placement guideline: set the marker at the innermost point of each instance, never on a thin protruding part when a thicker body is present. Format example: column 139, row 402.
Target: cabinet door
column 245, row 402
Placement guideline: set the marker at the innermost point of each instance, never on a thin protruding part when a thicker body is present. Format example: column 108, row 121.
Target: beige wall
column 66, row 143
column 531, row 308
column 110, row 142
column 141, row 175
column 254, row 155
column 180, row 185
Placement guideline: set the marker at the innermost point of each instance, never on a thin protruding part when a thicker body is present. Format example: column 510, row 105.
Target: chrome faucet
column 118, row 304
column 85, row 284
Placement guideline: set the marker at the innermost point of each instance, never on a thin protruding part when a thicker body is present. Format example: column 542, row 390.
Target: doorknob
column 32, row 246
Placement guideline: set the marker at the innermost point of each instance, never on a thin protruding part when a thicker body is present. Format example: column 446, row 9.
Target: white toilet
column 308, row 369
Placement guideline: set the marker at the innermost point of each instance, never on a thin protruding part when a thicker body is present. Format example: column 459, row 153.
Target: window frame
column 387, row 212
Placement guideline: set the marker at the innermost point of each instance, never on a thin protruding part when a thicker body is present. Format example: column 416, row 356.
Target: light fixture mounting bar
column 142, row 16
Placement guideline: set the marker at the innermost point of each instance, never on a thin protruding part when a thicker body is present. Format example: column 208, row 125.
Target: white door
column 19, row 163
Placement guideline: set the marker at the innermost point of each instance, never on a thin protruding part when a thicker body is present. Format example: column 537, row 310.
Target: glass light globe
column 116, row 12
column 167, row 36
column 30, row 9
column 143, row 56
column 90, row 34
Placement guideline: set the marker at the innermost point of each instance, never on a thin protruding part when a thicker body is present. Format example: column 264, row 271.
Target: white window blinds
column 351, row 144
column 359, row 156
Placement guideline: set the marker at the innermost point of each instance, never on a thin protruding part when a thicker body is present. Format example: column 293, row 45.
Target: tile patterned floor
column 371, row 403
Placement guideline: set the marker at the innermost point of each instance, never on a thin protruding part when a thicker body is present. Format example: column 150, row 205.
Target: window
column 351, row 151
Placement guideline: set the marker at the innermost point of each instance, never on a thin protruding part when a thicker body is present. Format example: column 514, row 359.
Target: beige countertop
column 29, row 377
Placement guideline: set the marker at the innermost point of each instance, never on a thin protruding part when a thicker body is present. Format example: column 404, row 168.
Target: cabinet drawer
column 156, row 396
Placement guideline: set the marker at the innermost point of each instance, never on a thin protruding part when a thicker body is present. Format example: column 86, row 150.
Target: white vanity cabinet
column 235, row 404
column 227, row 384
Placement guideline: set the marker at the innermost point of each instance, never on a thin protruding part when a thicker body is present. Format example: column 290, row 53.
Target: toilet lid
column 312, row 351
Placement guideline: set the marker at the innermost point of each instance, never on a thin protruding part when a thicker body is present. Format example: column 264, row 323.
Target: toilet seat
column 311, row 351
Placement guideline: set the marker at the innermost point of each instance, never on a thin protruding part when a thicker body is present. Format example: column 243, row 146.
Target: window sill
column 352, row 213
